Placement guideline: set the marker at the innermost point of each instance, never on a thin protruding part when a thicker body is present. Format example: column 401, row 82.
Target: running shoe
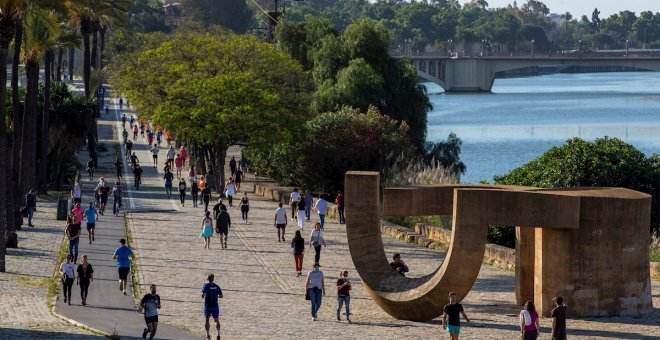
column 144, row 333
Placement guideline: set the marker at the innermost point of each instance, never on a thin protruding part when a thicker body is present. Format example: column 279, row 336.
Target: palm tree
column 60, row 38
column 9, row 14
column 40, row 27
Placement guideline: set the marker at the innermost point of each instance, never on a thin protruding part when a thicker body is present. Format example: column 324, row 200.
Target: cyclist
column 90, row 169
column 134, row 161
column 137, row 173
column 116, row 194
column 129, row 148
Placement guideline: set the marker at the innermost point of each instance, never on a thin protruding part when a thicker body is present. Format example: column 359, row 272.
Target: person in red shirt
column 339, row 201
column 344, row 295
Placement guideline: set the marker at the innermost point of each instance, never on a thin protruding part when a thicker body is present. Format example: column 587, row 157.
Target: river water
column 524, row 117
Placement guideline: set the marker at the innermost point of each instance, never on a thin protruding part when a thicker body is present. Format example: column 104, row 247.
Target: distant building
column 556, row 18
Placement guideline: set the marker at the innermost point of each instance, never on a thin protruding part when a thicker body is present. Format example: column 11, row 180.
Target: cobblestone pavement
column 264, row 299
column 24, row 312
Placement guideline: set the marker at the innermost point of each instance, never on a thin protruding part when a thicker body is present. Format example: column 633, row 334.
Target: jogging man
column 451, row 317
column 154, row 154
column 151, row 304
column 123, row 254
column 168, row 177
column 211, row 292
column 91, row 215
column 206, row 197
column 171, row 152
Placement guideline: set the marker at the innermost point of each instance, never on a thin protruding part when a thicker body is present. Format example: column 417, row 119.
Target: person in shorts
column 222, row 225
column 280, row 222
column 154, row 153
column 211, row 292
column 451, row 317
column 151, row 304
column 558, row 319
column 91, row 215
column 123, row 255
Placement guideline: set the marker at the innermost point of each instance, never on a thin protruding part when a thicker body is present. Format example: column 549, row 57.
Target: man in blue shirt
column 211, row 292
column 123, row 255
column 91, row 215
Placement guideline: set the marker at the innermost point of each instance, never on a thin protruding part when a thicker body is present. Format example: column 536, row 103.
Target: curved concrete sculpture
column 602, row 220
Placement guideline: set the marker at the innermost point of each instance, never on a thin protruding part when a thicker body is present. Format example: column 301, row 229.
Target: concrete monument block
column 565, row 243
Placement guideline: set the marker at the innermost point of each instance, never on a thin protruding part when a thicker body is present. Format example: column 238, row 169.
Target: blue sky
column 585, row 7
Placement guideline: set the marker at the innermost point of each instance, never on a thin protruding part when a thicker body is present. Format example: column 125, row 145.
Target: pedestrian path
column 107, row 309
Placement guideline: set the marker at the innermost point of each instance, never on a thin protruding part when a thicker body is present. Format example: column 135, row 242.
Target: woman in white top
column 230, row 191
column 315, row 289
column 316, row 240
column 67, row 270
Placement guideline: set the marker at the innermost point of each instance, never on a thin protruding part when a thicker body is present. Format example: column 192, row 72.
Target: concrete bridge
column 477, row 74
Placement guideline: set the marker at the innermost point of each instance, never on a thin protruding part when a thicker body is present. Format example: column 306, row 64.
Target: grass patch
column 54, row 281
column 654, row 248
column 410, row 221
column 40, row 282
column 58, row 194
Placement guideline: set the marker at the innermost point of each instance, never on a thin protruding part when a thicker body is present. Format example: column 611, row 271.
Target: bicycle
column 116, row 206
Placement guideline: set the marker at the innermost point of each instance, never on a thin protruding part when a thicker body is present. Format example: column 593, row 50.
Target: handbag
column 307, row 297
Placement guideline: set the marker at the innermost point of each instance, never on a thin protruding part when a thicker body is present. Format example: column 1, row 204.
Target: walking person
column 322, row 209
column 194, row 191
column 137, row 174
column 451, row 317
column 116, row 198
column 67, row 272
column 135, row 131
column 245, row 207
column 90, row 169
column 298, row 245
column 344, row 295
column 232, row 166
column 206, row 197
column 171, row 152
column 280, row 222
column 230, row 191
column 222, row 225
column 150, row 137
column 102, row 189
column 211, row 292
column 151, row 304
column 309, row 199
column 301, row 214
column 558, row 319
column 91, row 215
column 119, row 167
column 129, row 148
column 169, row 178
column 178, row 164
column 182, row 191
column 73, row 234
column 76, row 192
column 184, row 154
column 293, row 202
column 339, row 201
column 30, row 205
column 315, row 289
column 238, row 178
column 529, row 321
column 154, row 153
column 123, row 254
column 207, row 229
column 84, row 278
column 168, row 137
column 316, row 240
column 77, row 214
column 244, row 165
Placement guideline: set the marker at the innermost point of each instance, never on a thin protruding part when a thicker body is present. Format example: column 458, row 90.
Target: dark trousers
column 84, row 287
column 66, row 287
column 317, row 256
column 194, row 199
column 342, row 219
column 182, row 196
column 244, row 213
column 531, row 335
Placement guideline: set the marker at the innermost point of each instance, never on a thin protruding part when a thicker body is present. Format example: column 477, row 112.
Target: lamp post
column 627, row 42
column 449, row 42
column 406, row 46
column 580, row 48
column 532, row 47
column 483, row 44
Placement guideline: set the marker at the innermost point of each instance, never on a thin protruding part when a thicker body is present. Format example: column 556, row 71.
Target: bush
column 605, row 162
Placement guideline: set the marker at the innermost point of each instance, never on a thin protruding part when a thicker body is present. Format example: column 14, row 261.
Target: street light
column 627, row 42
column 532, row 45
column 580, row 47
column 483, row 43
column 449, row 42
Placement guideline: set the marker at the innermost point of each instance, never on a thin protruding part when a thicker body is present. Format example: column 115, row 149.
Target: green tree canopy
column 605, row 162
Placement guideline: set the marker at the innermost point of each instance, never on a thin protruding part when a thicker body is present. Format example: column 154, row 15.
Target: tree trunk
column 43, row 156
column 28, row 178
column 4, row 47
column 95, row 44
column 102, row 45
column 71, row 61
column 220, row 153
column 58, row 68
column 86, row 64
column 14, row 199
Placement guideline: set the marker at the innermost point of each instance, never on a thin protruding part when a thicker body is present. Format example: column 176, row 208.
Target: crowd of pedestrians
column 218, row 221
